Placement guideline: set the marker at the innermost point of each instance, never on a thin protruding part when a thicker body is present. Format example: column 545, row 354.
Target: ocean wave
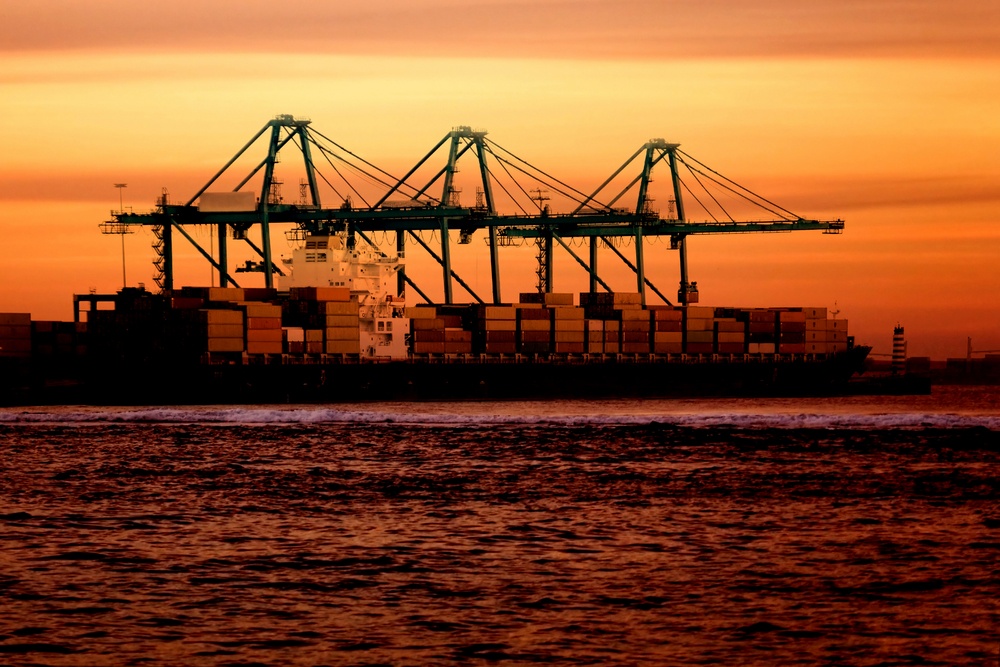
column 306, row 416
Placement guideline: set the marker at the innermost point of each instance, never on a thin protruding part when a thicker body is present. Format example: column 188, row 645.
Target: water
column 858, row 531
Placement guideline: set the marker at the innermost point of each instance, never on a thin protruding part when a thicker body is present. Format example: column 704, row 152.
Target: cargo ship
column 336, row 329
column 339, row 326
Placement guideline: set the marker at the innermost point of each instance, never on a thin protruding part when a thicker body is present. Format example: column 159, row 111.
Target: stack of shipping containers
column 263, row 328
column 57, row 343
column 325, row 321
column 699, row 330
column 534, row 329
column 667, row 326
column 427, row 330
column 761, row 325
column 15, row 335
column 495, row 329
column 328, row 319
column 730, row 332
column 568, row 329
column 791, row 332
column 220, row 330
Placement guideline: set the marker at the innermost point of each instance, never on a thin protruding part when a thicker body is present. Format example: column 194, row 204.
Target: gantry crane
column 407, row 207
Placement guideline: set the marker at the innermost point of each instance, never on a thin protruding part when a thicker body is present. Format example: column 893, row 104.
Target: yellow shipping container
column 500, row 325
column 341, row 333
column 568, row 313
column 263, row 336
column 255, row 309
column 636, row 325
column 218, row 316
column 635, row 315
column 729, row 325
column 425, row 324
column 535, row 325
column 421, row 312
column 347, row 346
column 263, row 323
column 666, row 315
column 626, row 298
column 699, row 324
column 225, row 294
column 496, row 312
column 791, row 316
column 224, row 330
column 699, row 312
column 700, row 336
column 337, row 307
column 568, row 325
column 815, row 313
column 342, row 321
column 557, row 299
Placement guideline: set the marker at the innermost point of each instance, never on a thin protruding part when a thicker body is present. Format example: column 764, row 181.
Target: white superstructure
column 326, row 260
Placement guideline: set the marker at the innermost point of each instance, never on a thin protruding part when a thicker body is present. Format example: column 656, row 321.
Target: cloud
column 641, row 29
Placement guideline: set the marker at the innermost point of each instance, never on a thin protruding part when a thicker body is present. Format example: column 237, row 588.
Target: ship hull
column 475, row 378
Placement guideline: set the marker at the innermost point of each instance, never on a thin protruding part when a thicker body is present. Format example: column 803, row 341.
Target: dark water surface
column 497, row 543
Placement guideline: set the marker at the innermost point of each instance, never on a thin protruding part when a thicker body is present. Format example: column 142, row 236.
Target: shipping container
column 342, row 333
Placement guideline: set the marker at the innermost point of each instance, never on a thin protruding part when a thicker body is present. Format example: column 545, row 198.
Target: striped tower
column 898, row 351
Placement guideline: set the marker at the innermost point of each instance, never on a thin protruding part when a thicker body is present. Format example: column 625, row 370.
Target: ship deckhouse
column 332, row 260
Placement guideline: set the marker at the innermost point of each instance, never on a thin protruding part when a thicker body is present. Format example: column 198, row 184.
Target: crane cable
column 327, row 154
column 565, row 185
column 764, row 199
column 507, row 192
column 371, row 178
column 322, row 175
column 695, row 197
column 519, row 186
column 703, row 187
column 534, row 176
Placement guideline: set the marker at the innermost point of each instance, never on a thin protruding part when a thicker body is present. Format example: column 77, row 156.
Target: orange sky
column 883, row 113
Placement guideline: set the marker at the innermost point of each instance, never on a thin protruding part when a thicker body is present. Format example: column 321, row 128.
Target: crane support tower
column 426, row 201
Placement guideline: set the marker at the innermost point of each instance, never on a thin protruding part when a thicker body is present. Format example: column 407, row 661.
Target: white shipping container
column 224, row 202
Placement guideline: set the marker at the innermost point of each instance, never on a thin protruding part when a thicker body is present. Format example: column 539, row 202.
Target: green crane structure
column 602, row 218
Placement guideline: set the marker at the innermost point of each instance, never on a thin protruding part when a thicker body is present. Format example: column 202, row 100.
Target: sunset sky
column 883, row 113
